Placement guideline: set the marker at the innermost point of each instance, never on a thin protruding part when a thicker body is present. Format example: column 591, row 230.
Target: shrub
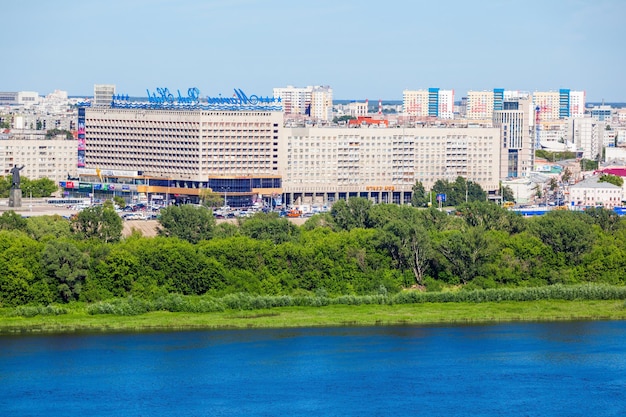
column 32, row 311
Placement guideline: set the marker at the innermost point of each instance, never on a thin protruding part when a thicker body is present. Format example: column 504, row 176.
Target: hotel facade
column 175, row 148
column 249, row 156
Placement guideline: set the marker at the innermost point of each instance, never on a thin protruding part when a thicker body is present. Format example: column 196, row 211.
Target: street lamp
column 225, row 199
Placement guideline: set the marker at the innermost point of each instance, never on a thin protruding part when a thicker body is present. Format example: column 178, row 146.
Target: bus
column 65, row 202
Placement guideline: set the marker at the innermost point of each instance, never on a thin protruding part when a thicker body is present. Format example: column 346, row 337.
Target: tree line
column 358, row 248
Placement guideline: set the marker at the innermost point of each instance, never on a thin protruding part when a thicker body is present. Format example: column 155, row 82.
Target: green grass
column 78, row 320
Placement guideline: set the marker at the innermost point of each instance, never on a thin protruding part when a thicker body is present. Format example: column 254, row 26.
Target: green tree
column 351, row 214
column 42, row 187
column 409, row 245
column 14, row 287
column 5, row 186
column 65, row 268
column 44, row 228
column 210, row 198
column 611, row 179
column 343, row 118
column 491, row 217
column 56, row 132
column 187, row 222
column 114, row 274
column 566, row 176
column 19, row 263
column 588, row 164
column 10, row 220
column 459, row 191
column 269, row 226
column 570, row 234
column 608, row 220
column 507, row 193
column 5, row 121
column 119, row 201
column 553, row 184
column 475, row 192
column 101, row 222
column 465, row 252
column 419, row 198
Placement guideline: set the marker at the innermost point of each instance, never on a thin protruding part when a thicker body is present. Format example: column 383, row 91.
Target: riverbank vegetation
column 358, row 254
column 74, row 317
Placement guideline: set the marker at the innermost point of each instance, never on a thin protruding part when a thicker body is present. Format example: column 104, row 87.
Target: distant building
column 20, row 98
column 176, row 154
column 103, row 94
column 516, row 142
column 587, row 137
column 562, row 104
column 590, row 193
column 368, row 121
column 357, row 109
column 383, row 164
column 480, row 105
column 433, row 102
column 602, row 113
column 315, row 102
column 42, row 158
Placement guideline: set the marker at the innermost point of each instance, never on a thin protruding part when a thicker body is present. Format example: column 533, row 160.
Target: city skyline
column 360, row 49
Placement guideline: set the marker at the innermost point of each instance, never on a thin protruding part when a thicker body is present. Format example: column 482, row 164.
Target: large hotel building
column 168, row 149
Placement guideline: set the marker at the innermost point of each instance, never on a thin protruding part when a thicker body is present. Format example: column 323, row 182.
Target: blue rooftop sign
column 163, row 98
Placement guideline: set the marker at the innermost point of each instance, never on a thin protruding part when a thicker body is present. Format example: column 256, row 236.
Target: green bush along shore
column 387, row 261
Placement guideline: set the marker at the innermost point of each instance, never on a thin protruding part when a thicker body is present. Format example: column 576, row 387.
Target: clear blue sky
column 361, row 48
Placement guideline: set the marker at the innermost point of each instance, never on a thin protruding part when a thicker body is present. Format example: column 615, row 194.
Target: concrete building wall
column 378, row 159
column 517, row 144
column 103, row 94
column 587, row 136
column 479, row 105
column 590, row 192
column 54, row 159
column 322, row 103
column 415, row 103
column 185, row 144
column 548, row 103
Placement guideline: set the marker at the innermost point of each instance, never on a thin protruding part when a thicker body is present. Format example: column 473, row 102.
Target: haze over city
column 362, row 49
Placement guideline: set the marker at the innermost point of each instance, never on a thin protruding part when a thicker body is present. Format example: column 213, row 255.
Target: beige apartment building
column 42, row 158
column 315, row 102
column 180, row 153
column 479, row 105
column 250, row 156
column 383, row 164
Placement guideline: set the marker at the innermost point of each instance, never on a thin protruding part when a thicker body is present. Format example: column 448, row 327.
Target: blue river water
column 521, row 369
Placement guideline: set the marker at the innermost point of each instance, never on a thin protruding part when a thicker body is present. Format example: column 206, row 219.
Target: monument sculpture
column 15, row 194
column 15, row 171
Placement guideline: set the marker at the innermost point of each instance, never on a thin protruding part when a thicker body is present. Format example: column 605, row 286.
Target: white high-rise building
column 446, row 104
column 313, row 101
column 587, row 136
column 517, row 145
column 577, row 103
column 103, row 94
column 293, row 99
column 321, row 103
